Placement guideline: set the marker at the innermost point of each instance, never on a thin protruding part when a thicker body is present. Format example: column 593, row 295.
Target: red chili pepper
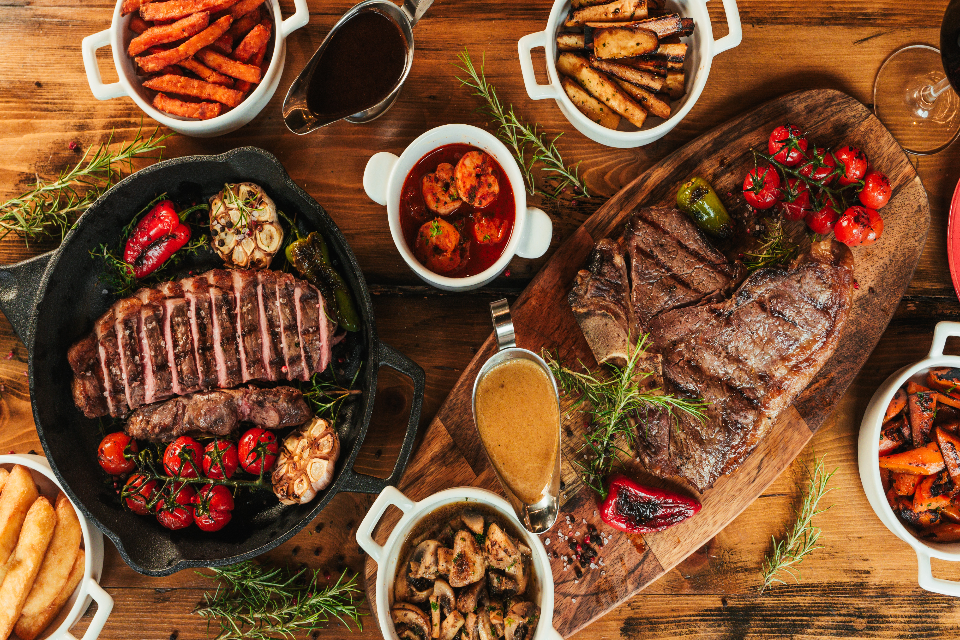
column 157, row 237
column 634, row 508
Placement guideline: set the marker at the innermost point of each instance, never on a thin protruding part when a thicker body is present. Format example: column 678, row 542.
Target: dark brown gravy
column 359, row 67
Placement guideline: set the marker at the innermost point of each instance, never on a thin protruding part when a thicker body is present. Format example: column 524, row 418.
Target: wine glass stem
column 930, row 93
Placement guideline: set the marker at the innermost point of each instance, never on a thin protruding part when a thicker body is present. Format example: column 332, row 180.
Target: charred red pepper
column 634, row 508
column 158, row 236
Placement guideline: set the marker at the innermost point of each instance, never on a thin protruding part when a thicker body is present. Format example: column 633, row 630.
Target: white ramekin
column 118, row 37
column 89, row 587
column 387, row 556
column 868, row 452
column 383, row 180
column 700, row 54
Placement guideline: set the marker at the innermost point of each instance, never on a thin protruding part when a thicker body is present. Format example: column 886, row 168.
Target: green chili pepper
column 698, row 200
column 310, row 257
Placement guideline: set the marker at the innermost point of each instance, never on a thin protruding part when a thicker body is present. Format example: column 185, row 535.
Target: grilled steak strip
column 311, row 323
column 289, row 334
column 225, row 337
column 87, row 387
column 114, row 390
column 248, row 326
column 127, row 313
column 196, row 291
column 176, row 330
column 270, row 328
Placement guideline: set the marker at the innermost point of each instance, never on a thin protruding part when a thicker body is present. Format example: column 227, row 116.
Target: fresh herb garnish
column 559, row 180
column 118, row 276
column 53, row 206
column 774, row 250
column 610, row 400
column 327, row 397
column 252, row 601
column 803, row 537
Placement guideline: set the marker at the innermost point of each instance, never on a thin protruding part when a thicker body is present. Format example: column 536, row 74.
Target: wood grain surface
column 861, row 584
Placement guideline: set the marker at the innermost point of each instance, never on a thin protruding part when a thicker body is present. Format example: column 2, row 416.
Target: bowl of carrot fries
column 200, row 67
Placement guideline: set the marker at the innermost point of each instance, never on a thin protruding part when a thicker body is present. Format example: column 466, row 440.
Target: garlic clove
column 240, row 257
column 270, row 237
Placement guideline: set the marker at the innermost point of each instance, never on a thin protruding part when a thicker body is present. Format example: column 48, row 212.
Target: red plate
column 953, row 240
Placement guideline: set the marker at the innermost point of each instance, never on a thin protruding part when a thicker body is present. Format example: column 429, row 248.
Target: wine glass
column 913, row 96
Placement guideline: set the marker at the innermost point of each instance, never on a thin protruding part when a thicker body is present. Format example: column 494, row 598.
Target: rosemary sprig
column 53, row 206
column 560, row 179
column 328, row 396
column 803, row 538
column 118, row 275
column 775, row 248
column 252, row 601
column 611, row 400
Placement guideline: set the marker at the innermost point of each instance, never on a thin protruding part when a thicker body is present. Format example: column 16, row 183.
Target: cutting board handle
column 20, row 291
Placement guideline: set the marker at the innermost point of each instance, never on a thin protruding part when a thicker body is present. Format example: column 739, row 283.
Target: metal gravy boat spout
column 296, row 112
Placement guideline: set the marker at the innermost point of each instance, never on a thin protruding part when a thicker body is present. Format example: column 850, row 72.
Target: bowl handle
column 941, row 332
column 300, row 18
column 104, row 607
column 928, row 582
column 389, row 497
column 526, row 45
column 375, row 176
column 89, row 49
column 735, row 35
column 548, row 633
column 536, row 234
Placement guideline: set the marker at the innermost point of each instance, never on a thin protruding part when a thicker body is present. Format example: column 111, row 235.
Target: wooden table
column 861, row 584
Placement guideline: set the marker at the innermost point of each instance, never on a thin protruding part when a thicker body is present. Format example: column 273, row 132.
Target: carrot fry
column 244, row 7
column 253, row 41
column 196, row 88
column 257, row 61
column 129, row 6
column 176, row 9
column 896, row 405
column 155, row 62
column 224, row 44
column 924, row 461
column 232, row 68
column 200, row 110
column 169, row 33
column 205, row 72
column 138, row 25
column 244, row 23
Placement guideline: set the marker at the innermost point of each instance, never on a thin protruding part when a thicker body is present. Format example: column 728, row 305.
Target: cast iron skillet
column 52, row 301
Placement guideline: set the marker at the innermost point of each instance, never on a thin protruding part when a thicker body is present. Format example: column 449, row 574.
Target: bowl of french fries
column 200, row 67
column 50, row 558
column 626, row 72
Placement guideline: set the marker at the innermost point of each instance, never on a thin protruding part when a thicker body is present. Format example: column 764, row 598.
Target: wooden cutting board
column 451, row 454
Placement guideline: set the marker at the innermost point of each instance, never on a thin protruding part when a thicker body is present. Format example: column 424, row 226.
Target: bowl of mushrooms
column 459, row 564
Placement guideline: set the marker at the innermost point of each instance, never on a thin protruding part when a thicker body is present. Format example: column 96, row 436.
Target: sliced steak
column 312, row 325
column 88, row 393
column 196, row 292
column 127, row 312
column 600, row 300
column 112, row 370
column 289, row 331
column 248, row 326
column 748, row 357
column 176, row 331
column 225, row 353
column 157, row 374
column 270, row 327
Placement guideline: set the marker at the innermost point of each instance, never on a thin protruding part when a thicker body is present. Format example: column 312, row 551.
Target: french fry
column 601, row 87
column 663, row 26
column 243, row 24
column 29, row 627
column 183, row 28
column 244, row 7
column 232, row 68
column 19, row 492
column 590, row 106
column 669, row 51
column 571, row 42
column 138, row 25
column 257, row 61
column 24, row 563
column 205, row 72
column 57, row 563
column 199, row 110
column 623, row 42
column 129, row 6
column 176, row 9
column 253, row 41
column 658, row 67
column 224, row 44
column 579, row 4
column 195, row 88
column 639, row 77
column 157, row 61
column 617, row 11
column 674, row 84
column 3, row 477
column 645, row 99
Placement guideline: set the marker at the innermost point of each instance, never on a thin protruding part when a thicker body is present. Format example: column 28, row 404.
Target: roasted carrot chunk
column 951, row 512
column 908, row 514
column 946, row 379
column 896, row 405
column 886, row 479
column 921, row 407
column 892, row 500
column 943, row 532
column 923, row 461
column 934, row 492
column 891, row 438
column 950, row 450
column 905, row 484
column 913, row 387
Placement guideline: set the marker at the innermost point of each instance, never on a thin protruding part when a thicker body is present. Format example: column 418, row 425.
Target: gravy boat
column 297, row 115
column 540, row 516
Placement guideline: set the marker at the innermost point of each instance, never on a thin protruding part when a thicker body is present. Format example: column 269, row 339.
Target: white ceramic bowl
column 868, row 452
column 118, row 36
column 383, row 180
column 387, row 556
column 701, row 51
column 89, row 587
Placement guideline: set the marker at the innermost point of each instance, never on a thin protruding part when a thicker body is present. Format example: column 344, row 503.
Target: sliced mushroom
column 451, row 626
column 444, row 561
column 495, row 607
column 306, row 462
column 473, row 520
column 468, row 599
column 501, row 585
column 423, row 562
column 468, row 561
column 521, row 621
column 484, row 628
column 499, row 548
column 519, row 573
column 435, row 615
column 471, row 629
column 446, row 599
column 410, row 622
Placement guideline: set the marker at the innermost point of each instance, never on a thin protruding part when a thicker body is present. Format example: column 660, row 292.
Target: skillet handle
column 361, row 483
column 19, row 292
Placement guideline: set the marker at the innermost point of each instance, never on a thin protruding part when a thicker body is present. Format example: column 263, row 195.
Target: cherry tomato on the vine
column 220, row 460
column 787, row 145
column 859, row 226
column 182, row 458
column 761, row 187
column 854, row 164
column 212, row 507
column 138, row 492
column 175, row 508
column 796, row 200
column 115, row 453
column 876, row 190
column 822, row 220
column 258, row 451
column 818, row 165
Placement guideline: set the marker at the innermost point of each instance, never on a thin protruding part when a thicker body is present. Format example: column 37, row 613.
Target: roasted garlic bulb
column 305, row 463
column 244, row 226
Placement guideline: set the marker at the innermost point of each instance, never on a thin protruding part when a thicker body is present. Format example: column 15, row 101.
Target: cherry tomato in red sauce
column 476, row 254
column 787, row 145
column 761, row 187
column 116, row 452
column 854, row 164
column 138, row 492
column 796, row 200
column 876, row 190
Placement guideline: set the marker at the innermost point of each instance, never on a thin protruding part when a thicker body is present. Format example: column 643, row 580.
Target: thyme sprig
column 803, row 537
column 252, row 601
column 327, row 397
column 52, row 206
column 522, row 139
column 612, row 400
column 775, row 249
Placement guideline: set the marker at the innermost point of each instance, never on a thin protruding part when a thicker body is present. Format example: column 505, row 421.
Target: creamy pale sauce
column 519, row 422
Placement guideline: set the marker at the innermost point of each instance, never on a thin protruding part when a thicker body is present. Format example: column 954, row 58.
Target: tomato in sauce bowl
column 450, row 239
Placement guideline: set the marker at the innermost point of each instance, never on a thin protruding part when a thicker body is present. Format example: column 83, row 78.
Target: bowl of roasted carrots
column 909, row 457
column 200, row 67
